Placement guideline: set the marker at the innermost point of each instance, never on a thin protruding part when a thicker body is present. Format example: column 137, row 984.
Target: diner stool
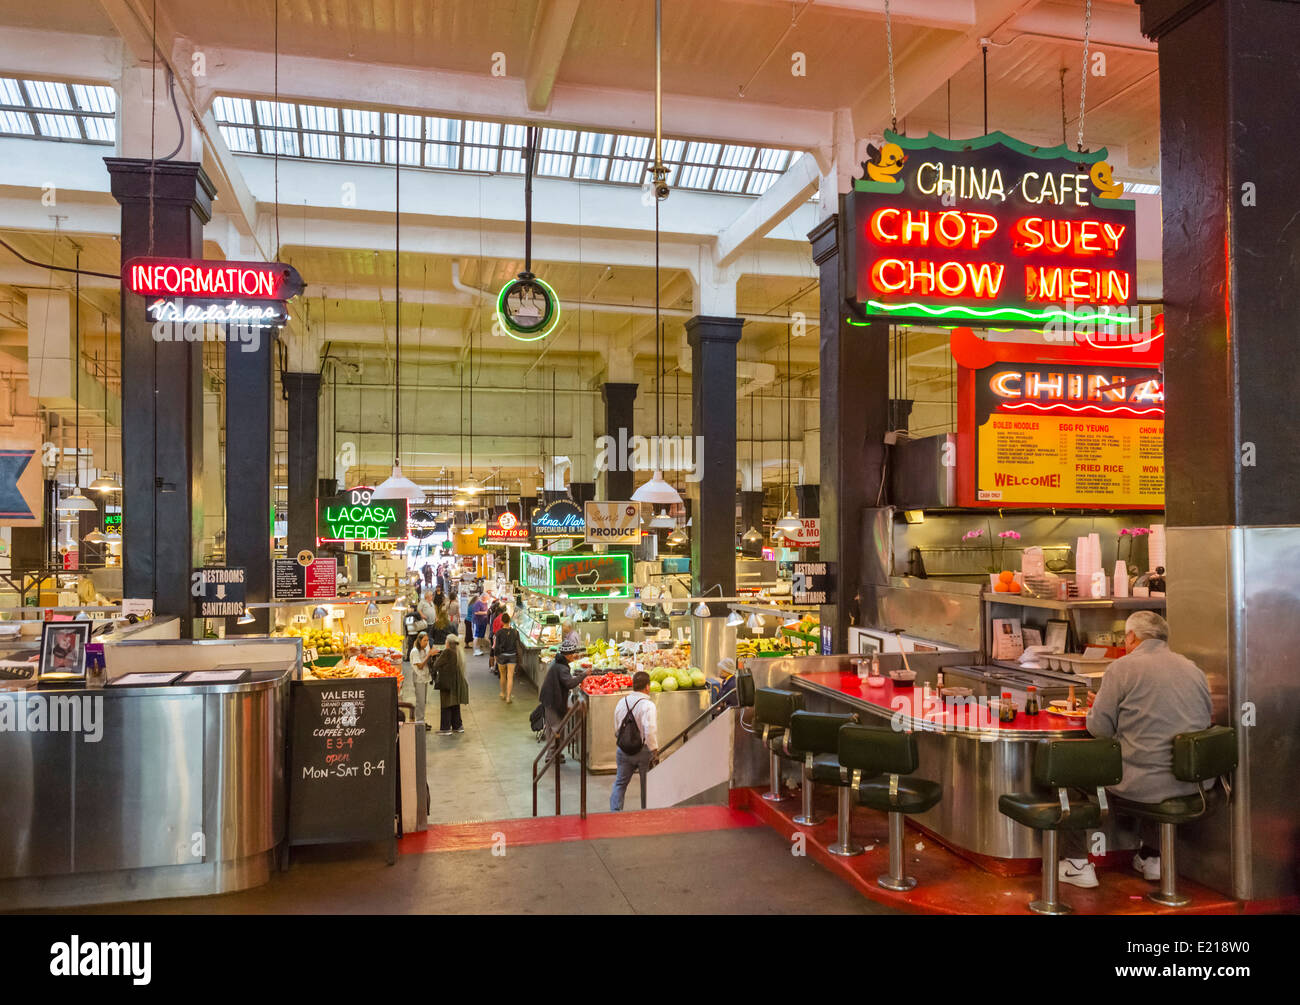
column 1062, row 765
column 885, row 756
column 1204, row 754
column 773, row 708
column 814, row 738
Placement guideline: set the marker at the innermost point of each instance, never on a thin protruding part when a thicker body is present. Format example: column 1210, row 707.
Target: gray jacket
column 1145, row 699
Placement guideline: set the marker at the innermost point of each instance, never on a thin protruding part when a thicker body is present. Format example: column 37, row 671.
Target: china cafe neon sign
column 185, row 290
column 1056, row 389
column 991, row 232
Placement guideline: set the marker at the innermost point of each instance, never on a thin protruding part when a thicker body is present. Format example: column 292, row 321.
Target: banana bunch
column 746, row 647
column 333, row 673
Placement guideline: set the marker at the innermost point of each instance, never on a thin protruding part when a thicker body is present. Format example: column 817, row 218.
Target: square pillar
column 620, row 404
column 713, row 343
column 162, row 391
column 303, row 390
column 854, row 365
column 250, row 429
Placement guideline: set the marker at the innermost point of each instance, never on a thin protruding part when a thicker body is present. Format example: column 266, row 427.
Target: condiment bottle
column 1031, row 700
column 1072, row 701
column 1007, row 708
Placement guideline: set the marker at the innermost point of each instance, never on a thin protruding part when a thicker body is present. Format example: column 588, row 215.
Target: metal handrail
column 708, row 713
column 571, row 730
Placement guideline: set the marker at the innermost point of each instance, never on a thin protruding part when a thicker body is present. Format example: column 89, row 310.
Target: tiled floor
column 485, row 773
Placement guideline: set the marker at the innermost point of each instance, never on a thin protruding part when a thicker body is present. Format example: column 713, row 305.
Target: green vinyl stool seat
column 1064, row 765
column 813, row 738
column 773, row 708
column 1198, row 756
column 882, row 762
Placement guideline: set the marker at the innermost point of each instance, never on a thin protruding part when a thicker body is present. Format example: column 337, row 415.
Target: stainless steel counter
column 676, row 710
column 132, row 793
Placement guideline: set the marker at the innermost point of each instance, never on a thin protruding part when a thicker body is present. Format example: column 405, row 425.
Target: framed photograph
column 1032, row 636
column 1058, row 632
column 1008, row 643
column 63, row 652
column 868, row 643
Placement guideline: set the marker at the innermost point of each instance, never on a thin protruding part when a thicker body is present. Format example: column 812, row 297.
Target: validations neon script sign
column 211, row 292
column 991, row 232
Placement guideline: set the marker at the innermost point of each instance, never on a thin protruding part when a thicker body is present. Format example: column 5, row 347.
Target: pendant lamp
column 397, row 485
column 789, row 522
column 96, row 536
column 677, row 538
column 657, row 491
column 662, row 521
column 735, row 619
column 751, row 537
column 76, row 501
column 106, row 483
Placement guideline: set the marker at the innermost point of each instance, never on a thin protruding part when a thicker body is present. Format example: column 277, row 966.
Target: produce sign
column 342, row 775
column 991, row 231
column 562, row 518
column 291, row 580
column 507, row 529
column 356, row 516
column 1060, row 426
column 613, row 522
column 189, row 290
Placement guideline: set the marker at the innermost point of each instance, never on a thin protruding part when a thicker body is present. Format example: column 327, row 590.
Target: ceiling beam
column 550, row 39
column 787, row 194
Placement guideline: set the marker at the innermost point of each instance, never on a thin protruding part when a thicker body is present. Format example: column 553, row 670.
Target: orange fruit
column 1001, row 587
column 1013, row 586
column 1006, row 576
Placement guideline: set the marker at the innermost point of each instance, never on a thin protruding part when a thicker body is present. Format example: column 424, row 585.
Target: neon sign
column 527, row 308
column 990, row 231
column 197, row 291
column 356, row 516
column 561, row 518
column 507, row 529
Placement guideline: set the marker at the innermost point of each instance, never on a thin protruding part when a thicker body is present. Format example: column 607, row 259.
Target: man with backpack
column 636, row 734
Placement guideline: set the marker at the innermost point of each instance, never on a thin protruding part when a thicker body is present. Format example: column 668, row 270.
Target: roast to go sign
column 356, row 516
column 813, row 583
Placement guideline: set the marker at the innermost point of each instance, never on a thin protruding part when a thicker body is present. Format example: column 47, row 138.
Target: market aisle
column 745, row 870
column 486, row 772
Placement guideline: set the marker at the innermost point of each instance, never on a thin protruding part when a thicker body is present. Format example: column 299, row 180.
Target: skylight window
column 54, row 110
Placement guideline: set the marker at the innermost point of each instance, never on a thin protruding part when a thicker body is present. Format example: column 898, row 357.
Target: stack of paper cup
column 1156, row 547
column 1083, row 566
column 1121, row 578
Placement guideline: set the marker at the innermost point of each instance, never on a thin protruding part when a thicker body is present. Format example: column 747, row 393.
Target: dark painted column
column 713, row 343
column 809, row 497
column 582, row 492
column 854, row 417
column 1229, row 115
column 303, row 390
column 620, row 404
column 162, row 392
column 250, row 428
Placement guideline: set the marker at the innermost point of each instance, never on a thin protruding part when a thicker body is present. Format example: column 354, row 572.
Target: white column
column 146, row 120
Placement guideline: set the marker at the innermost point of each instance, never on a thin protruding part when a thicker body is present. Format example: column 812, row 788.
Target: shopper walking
column 421, row 657
column 478, row 612
column 559, row 681
column 414, row 621
column 453, row 687
column 505, row 650
column 636, row 738
column 440, row 626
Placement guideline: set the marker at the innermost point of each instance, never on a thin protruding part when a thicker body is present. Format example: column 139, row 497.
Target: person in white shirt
column 646, row 715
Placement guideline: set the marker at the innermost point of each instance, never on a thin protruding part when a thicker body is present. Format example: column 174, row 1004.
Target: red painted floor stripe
column 949, row 884
column 551, row 830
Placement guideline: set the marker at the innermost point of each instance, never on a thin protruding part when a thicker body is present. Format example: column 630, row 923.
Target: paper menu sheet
column 1008, row 643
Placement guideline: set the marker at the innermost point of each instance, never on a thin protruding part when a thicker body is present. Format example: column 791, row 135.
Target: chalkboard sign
column 343, row 761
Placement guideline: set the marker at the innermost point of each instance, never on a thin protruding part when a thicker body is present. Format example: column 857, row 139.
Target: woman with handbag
column 453, row 688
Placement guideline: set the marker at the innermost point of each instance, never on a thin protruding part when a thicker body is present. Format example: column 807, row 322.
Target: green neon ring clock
column 528, row 308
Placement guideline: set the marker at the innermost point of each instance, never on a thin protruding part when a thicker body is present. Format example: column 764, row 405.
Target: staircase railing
column 571, row 733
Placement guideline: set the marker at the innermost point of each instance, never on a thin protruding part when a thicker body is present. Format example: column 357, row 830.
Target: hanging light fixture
column 735, row 619
column 633, row 610
column 788, row 523
column 756, row 622
column 677, row 538
column 76, row 501
column 96, row 536
column 751, row 537
column 106, row 483
column 657, row 491
column 702, row 609
column 662, row 521
column 397, row 485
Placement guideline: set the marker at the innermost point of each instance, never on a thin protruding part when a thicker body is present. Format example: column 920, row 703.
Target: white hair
column 1147, row 625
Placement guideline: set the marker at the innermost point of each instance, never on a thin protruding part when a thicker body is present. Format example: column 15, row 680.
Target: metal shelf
column 1115, row 603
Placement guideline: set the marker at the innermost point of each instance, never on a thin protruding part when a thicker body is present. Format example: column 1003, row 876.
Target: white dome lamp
column 658, row 492
column 788, row 524
column 662, row 521
column 751, row 538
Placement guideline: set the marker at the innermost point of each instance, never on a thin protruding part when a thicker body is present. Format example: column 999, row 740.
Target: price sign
column 309, row 655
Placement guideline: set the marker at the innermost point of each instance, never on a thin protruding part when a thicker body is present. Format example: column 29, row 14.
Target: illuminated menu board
column 1052, row 432
column 991, row 231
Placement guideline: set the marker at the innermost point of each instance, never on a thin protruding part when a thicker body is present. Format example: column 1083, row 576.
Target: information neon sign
column 197, row 291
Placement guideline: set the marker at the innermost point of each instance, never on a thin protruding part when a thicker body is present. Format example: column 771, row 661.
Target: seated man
column 1146, row 698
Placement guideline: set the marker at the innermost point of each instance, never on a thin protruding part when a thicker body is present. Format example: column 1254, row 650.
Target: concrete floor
column 485, row 773
column 740, row 871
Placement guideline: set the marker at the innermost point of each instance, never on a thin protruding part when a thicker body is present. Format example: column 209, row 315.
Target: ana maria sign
column 991, row 232
column 356, row 515
column 562, row 518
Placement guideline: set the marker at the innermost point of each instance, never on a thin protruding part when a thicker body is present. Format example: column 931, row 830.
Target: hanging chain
column 889, row 49
column 1083, row 70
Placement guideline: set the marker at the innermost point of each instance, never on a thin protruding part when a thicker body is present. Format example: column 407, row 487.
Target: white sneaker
column 1148, row 867
column 1077, row 872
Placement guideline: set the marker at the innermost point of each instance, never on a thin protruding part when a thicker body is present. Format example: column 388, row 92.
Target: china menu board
column 342, row 760
column 1059, row 427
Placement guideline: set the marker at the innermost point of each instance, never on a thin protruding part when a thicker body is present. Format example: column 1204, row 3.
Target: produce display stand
column 676, row 711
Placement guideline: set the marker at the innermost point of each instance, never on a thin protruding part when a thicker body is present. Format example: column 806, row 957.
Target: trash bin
column 413, row 780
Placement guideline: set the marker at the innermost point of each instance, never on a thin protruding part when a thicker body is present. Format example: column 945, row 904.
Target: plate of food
column 1066, row 713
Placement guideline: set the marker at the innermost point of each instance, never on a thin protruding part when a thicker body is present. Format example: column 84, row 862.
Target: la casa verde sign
column 356, row 515
column 990, row 232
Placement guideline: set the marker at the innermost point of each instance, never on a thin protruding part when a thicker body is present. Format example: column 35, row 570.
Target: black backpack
column 629, row 733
